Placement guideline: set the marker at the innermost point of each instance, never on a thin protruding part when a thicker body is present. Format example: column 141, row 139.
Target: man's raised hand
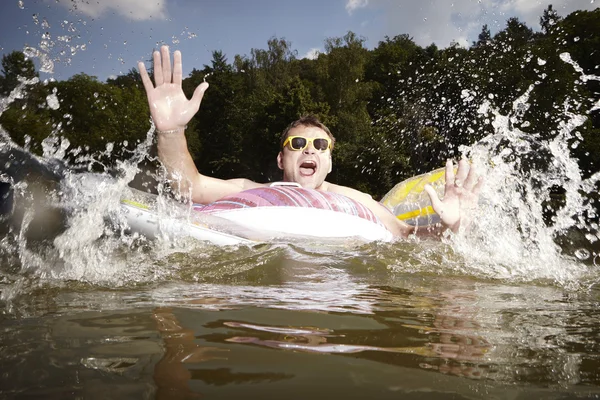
column 461, row 195
column 169, row 107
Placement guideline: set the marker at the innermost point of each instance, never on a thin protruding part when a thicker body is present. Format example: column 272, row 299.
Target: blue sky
column 107, row 37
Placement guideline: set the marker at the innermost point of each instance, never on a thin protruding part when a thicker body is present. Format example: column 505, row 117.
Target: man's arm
column 171, row 111
column 397, row 227
column 190, row 184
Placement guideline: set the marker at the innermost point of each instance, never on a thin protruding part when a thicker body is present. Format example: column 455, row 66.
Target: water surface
column 284, row 320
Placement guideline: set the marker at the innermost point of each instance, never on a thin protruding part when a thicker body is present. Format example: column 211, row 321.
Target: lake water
column 185, row 320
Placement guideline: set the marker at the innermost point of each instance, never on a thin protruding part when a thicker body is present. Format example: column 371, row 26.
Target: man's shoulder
column 245, row 184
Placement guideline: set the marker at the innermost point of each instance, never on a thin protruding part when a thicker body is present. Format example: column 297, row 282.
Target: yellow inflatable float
column 409, row 201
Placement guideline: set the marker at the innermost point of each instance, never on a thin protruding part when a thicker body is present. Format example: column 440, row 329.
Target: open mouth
column 308, row 168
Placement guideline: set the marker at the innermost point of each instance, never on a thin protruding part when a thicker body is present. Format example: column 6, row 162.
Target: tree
column 270, row 68
column 215, row 144
column 219, row 62
column 549, row 19
column 579, row 35
column 341, row 75
column 26, row 119
column 131, row 78
column 516, row 33
column 14, row 66
column 390, row 65
column 287, row 105
column 484, row 38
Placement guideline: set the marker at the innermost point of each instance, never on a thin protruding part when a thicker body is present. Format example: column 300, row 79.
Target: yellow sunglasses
column 299, row 143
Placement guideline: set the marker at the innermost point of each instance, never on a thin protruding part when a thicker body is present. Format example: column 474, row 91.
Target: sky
column 106, row 38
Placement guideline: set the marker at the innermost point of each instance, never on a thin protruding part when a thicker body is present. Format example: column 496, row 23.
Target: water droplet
column 425, row 19
column 52, row 101
column 582, row 254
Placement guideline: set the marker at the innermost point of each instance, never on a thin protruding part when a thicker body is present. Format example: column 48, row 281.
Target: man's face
column 308, row 167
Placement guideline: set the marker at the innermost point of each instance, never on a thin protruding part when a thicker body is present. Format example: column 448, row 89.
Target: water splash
column 536, row 222
column 512, row 237
column 74, row 209
column 47, row 64
column 18, row 93
column 566, row 57
column 52, row 100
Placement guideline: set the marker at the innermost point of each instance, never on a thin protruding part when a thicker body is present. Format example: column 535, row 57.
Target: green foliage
column 484, row 38
column 549, row 19
column 90, row 115
column 131, row 78
column 15, row 65
column 396, row 110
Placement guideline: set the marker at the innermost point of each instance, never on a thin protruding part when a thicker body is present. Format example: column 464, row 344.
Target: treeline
column 396, row 110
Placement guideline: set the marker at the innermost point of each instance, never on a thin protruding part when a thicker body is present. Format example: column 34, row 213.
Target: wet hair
column 308, row 121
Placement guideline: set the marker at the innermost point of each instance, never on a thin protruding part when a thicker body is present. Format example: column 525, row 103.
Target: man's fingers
column 177, row 68
column 145, row 78
column 471, row 178
column 463, row 171
column 166, row 64
column 158, row 73
column 199, row 94
column 449, row 174
column 436, row 203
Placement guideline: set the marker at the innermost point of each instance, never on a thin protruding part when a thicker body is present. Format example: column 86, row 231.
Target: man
column 305, row 155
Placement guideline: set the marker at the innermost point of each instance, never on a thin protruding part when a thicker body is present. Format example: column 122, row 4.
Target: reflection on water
column 343, row 321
